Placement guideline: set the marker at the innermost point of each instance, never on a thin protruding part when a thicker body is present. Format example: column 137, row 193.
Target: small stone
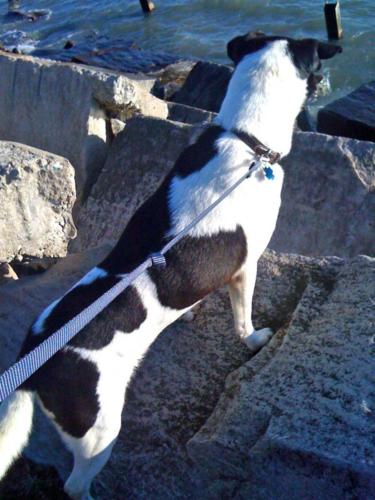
column 117, row 126
column 7, row 273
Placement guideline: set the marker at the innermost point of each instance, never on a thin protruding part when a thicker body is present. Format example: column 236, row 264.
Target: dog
column 82, row 387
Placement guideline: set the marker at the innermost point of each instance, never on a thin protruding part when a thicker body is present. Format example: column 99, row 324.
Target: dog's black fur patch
column 66, row 385
column 81, row 297
column 197, row 155
column 197, row 266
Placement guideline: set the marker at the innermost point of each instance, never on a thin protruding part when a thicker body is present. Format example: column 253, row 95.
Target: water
column 201, row 28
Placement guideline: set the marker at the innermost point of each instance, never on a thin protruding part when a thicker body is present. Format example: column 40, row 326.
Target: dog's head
column 306, row 54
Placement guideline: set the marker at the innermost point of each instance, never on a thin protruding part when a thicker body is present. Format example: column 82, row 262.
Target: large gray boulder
column 205, row 86
column 139, row 159
column 64, row 108
column 352, row 115
column 180, row 380
column 297, row 420
column 328, row 198
column 37, row 193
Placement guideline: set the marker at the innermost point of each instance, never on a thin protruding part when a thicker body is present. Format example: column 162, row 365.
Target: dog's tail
column 16, row 418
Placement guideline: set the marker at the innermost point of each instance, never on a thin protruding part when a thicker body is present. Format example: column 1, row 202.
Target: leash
column 20, row 371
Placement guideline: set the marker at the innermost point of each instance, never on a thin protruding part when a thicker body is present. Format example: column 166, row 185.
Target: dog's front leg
column 241, row 290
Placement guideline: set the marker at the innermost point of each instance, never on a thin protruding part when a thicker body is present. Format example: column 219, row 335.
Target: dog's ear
column 245, row 44
column 305, row 55
column 328, row 50
column 308, row 52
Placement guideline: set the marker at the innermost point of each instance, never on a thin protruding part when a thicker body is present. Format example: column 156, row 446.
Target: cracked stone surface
column 328, row 197
column 300, row 423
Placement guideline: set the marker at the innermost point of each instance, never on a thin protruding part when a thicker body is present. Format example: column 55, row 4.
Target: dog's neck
column 264, row 97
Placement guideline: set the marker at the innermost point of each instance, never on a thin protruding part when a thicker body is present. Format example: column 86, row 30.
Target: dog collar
column 259, row 149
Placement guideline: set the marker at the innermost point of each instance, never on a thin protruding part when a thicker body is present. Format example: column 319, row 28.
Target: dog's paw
column 258, row 338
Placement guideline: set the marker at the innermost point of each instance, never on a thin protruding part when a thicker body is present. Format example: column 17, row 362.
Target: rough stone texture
column 37, row 193
column 352, row 115
column 205, row 87
column 178, row 383
column 63, row 108
column 171, row 78
column 298, row 422
column 117, row 126
column 328, row 198
column 188, row 114
column 139, row 159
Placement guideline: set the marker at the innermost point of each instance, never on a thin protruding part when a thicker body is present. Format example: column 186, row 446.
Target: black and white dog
column 82, row 388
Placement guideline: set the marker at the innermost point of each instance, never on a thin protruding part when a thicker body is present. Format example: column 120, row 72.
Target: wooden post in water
column 147, row 6
column 333, row 20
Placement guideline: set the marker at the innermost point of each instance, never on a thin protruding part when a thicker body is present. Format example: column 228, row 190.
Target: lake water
column 201, row 28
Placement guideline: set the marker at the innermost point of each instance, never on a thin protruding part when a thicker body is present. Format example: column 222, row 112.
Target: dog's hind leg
column 91, row 453
column 93, row 449
column 241, row 289
column 82, row 391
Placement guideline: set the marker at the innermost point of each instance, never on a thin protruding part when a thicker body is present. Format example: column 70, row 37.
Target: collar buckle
column 263, row 152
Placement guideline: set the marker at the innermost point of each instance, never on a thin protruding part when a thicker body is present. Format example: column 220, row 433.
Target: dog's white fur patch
column 91, row 276
column 16, row 416
column 38, row 326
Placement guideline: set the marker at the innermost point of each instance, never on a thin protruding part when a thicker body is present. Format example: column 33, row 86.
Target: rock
column 328, row 198
column 64, row 108
column 171, row 78
column 298, row 422
column 351, row 116
column 188, row 114
column 117, row 126
column 28, row 15
column 29, row 266
column 140, row 157
column 205, row 87
column 7, row 274
column 37, row 193
column 179, row 381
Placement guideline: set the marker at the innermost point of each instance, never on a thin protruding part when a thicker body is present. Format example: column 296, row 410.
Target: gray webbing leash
column 12, row 378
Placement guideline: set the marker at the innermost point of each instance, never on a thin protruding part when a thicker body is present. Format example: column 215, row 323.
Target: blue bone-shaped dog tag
column 268, row 172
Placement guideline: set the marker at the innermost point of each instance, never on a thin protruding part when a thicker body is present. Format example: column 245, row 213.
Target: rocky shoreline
column 294, row 421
